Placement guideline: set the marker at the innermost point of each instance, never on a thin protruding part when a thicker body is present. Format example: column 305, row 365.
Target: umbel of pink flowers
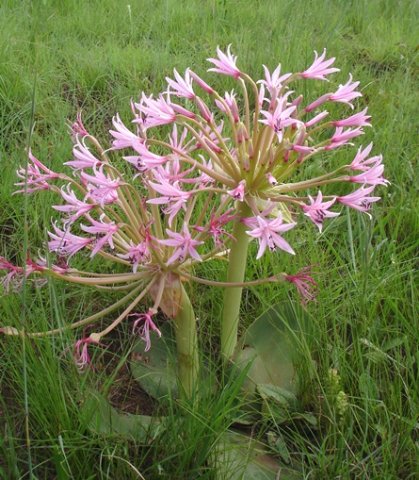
column 195, row 176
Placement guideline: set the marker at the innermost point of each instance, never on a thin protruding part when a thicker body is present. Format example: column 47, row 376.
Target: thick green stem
column 187, row 346
column 233, row 296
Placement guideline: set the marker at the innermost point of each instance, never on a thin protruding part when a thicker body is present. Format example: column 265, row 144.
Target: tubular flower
column 225, row 63
column 65, row 243
column 35, row 177
column 360, row 199
column 182, row 87
column 320, row 67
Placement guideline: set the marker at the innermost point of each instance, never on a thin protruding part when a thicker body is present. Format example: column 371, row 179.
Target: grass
column 97, row 55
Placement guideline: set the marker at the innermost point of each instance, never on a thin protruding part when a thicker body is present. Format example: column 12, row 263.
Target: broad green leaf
column 239, row 457
column 102, row 419
column 268, row 344
column 156, row 370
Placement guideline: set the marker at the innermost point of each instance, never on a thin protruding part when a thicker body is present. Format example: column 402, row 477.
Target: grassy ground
column 97, row 55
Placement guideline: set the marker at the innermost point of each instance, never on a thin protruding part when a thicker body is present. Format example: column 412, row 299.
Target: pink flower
column 124, row 138
column 318, row 118
column 230, row 107
column 107, row 229
column 81, row 353
column 137, row 254
column 238, row 192
column 83, row 158
column 77, row 128
column 306, row 286
column 345, row 93
column 146, row 159
column 172, row 195
column 214, row 228
column 317, row 211
column 13, row 271
column 178, row 142
column 184, row 245
column 155, row 112
column 274, row 82
column 280, row 118
column 266, row 231
column 204, row 111
column 271, row 179
column 35, row 177
column 360, row 119
column 102, row 189
column 201, row 83
column 225, row 63
column 341, row 137
column 320, row 67
column 359, row 200
column 182, row 87
column 142, row 326
column 373, row 176
column 60, row 267
column 361, row 160
column 65, row 243
column 75, row 206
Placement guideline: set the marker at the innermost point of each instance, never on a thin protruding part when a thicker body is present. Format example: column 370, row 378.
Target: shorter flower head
column 75, row 207
column 341, row 137
column 274, row 81
column 77, row 128
column 102, row 189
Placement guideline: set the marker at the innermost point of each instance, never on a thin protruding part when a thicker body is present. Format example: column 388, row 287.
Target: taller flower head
column 197, row 177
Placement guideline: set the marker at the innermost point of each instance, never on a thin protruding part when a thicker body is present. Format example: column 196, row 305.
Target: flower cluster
column 195, row 162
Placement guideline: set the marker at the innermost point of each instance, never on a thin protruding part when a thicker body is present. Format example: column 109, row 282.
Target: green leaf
column 278, row 403
column 278, row 444
column 102, row 419
column 268, row 344
column 156, row 369
column 239, row 457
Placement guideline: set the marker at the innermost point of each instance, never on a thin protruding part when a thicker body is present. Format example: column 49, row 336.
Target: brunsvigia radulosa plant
column 209, row 173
